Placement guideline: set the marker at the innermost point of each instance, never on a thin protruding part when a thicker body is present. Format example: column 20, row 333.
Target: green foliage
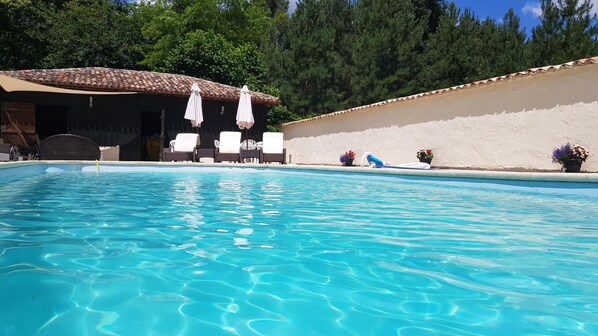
column 275, row 48
column 313, row 62
column 502, row 47
column 277, row 7
column 245, row 21
column 567, row 31
column 328, row 55
column 385, row 54
column 166, row 25
column 450, row 51
column 211, row 56
column 464, row 49
column 23, row 24
column 6, row 4
column 430, row 9
column 229, row 19
column 278, row 115
column 507, row 47
column 96, row 33
column 161, row 28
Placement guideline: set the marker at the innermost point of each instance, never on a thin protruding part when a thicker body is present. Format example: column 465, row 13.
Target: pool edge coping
column 442, row 173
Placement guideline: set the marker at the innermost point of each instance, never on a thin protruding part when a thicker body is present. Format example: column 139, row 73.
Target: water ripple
column 266, row 253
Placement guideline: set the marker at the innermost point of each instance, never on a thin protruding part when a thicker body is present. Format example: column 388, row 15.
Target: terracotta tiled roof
column 521, row 74
column 107, row 79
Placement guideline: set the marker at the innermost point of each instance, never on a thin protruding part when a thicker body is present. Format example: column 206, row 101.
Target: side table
column 250, row 154
column 203, row 152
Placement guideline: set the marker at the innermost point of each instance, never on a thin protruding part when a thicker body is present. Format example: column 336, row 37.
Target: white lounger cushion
column 229, row 142
column 272, row 143
column 186, row 142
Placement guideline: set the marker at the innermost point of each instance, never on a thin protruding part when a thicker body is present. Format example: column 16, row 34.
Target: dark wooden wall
column 17, row 123
column 111, row 120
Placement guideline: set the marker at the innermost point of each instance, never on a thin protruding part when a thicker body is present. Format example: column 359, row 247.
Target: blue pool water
column 265, row 252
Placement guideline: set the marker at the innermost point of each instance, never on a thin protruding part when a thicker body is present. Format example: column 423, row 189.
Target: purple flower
column 348, row 156
column 568, row 152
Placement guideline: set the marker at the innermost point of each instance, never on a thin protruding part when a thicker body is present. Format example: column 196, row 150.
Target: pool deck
column 448, row 173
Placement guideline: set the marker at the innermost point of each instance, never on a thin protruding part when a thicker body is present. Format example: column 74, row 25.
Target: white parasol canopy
column 244, row 111
column 194, row 111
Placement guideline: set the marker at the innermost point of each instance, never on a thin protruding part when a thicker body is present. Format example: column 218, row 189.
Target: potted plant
column 347, row 158
column 425, row 155
column 570, row 157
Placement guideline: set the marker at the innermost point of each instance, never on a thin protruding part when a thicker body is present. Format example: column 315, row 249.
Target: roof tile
column 108, row 79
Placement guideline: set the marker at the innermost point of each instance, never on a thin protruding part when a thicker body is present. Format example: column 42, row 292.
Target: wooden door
column 17, row 125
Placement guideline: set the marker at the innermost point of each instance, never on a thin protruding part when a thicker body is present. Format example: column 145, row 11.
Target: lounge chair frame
column 273, row 157
column 183, row 155
column 229, row 140
column 219, row 157
column 179, row 156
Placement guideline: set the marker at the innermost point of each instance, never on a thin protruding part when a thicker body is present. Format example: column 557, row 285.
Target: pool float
column 377, row 163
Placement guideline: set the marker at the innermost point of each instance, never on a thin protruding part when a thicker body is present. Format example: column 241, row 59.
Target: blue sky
column 527, row 10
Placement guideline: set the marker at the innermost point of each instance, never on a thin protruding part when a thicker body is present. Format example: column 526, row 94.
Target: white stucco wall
column 513, row 124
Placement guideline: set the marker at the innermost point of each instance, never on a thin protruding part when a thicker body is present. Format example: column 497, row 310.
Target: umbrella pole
column 162, row 117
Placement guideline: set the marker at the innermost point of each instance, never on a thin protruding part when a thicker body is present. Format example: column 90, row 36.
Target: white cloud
column 533, row 8
column 595, row 8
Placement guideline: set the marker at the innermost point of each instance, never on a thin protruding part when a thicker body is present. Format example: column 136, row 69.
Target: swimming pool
column 222, row 251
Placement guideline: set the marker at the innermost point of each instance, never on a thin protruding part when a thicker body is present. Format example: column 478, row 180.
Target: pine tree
column 315, row 76
column 276, row 7
column 503, row 47
column 567, row 31
column 276, row 47
column 433, row 10
column 452, row 54
column 388, row 36
column 511, row 38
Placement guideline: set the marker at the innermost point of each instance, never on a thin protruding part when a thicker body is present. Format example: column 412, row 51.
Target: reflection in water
column 265, row 253
column 187, row 192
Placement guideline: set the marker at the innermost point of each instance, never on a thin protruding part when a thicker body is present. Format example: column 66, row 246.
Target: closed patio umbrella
column 194, row 111
column 244, row 112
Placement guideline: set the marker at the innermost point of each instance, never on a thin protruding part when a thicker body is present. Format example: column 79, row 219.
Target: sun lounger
column 184, row 147
column 272, row 148
column 229, row 149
